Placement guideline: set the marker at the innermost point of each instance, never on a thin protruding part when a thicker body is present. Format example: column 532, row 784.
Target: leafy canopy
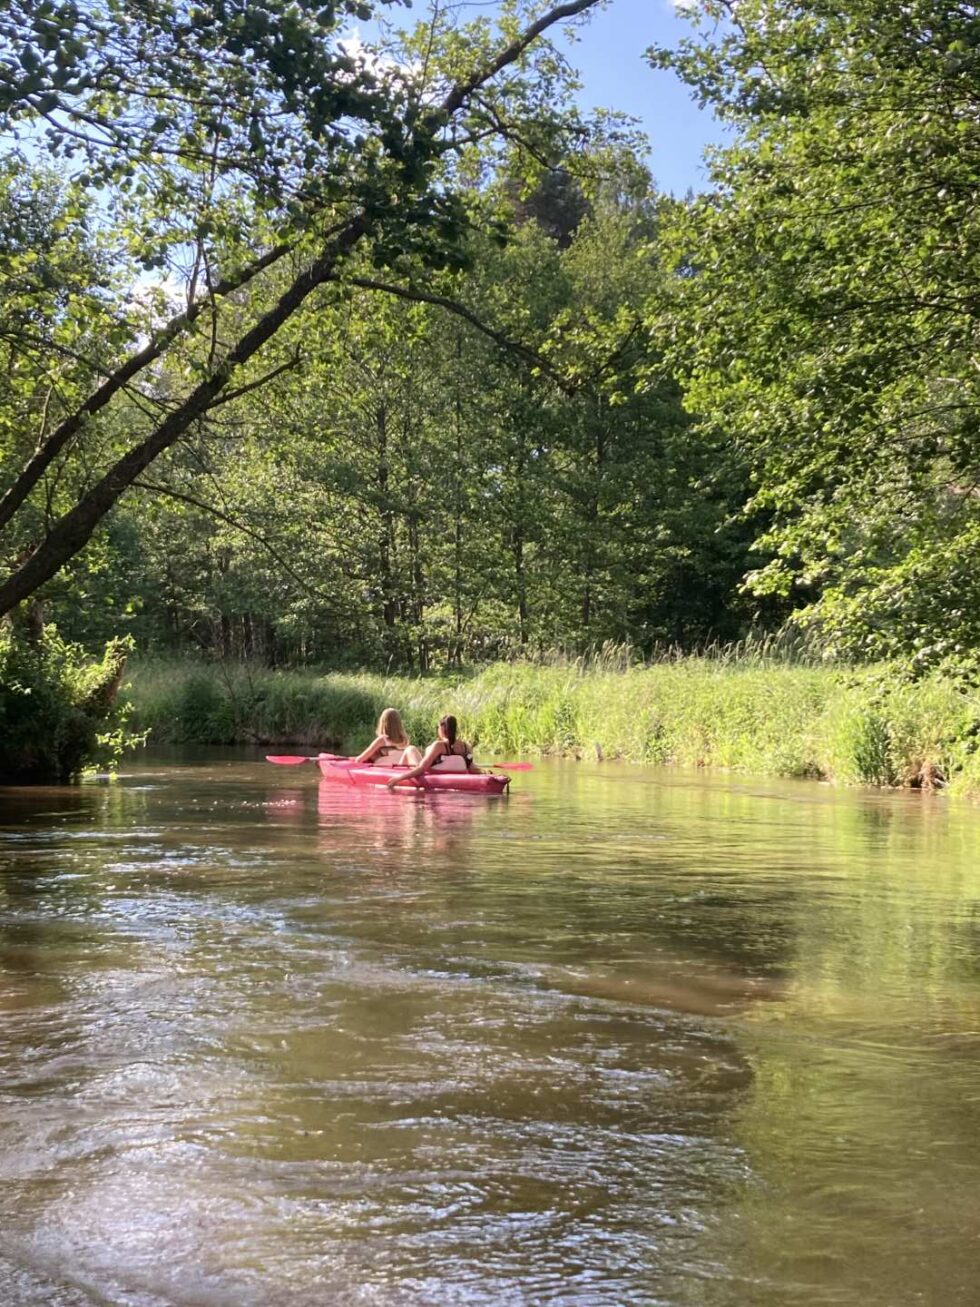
column 217, row 141
column 827, row 321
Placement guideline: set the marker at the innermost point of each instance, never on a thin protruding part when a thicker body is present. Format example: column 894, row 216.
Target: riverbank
column 853, row 726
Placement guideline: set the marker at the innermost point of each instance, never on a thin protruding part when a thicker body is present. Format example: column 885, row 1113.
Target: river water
column 628, row 1036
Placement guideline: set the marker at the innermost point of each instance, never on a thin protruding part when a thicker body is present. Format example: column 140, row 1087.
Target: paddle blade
column 287, row 759
column 514, row 766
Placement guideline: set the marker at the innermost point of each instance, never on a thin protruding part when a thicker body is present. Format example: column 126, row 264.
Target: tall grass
column 751, row 710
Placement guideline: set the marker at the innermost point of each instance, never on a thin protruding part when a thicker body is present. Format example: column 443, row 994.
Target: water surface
column 630, row 1036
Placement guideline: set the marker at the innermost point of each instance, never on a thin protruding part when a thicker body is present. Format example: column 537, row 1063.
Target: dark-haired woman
column 447, row 753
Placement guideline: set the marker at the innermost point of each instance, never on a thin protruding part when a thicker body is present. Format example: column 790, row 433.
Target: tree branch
column 74, row 530
column 34, row 469
column 462, row 90
column 415, row 295
column 236, row 525
column 257, row 384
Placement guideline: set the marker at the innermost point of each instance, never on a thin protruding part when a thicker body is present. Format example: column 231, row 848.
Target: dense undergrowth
column 58, row 712
column 748, row 713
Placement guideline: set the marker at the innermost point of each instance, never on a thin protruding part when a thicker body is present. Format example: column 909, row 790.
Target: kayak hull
column 365, row 776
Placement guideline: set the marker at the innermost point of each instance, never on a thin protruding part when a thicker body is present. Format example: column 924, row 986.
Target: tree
column 447, row 466
column 826, row 315
column 238, row 137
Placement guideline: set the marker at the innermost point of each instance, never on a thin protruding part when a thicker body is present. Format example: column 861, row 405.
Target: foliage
column 750, row 709
column 218, row 143
column 417, row 487
column 58, row 329
column 827, row 318
column 405, row 411
column 381, row 357
column 57, row 706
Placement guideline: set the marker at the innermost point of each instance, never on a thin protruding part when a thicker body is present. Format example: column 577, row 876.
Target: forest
column 380, row 355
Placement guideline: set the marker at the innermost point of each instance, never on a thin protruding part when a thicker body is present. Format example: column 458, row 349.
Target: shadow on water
column 626, row 1036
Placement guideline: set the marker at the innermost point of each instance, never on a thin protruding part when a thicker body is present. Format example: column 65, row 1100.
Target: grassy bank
column 747, row 714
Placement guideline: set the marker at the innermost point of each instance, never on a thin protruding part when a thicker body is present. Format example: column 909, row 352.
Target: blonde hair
column 390, row 726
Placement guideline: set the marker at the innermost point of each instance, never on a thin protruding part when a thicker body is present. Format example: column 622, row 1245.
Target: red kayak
column 348, row 773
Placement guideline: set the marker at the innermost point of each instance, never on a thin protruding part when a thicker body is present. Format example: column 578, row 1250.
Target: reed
column 749, row 709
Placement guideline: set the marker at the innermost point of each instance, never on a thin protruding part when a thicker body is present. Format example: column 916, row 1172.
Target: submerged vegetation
column 749, row 712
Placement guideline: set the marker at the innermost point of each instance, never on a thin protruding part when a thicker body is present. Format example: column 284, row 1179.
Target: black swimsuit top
column 452, row 750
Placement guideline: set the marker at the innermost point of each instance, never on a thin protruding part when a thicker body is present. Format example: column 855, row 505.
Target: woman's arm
column 373, row 749
column 432, row 755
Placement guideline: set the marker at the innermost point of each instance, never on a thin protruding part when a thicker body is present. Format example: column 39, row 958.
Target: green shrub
column 203, row 715
column 749, row 712
column 57, row 707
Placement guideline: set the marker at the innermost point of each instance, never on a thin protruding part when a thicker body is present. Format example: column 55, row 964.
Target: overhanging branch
column 462, row 90
column 42, row 458
column 71, row 532
column 236, row 525
column 415, row 295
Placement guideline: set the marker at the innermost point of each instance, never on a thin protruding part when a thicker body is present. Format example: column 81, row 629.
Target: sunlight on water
column 626, row 1036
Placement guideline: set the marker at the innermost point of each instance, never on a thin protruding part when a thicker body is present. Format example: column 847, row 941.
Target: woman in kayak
column 390, row 744
column 448, row 753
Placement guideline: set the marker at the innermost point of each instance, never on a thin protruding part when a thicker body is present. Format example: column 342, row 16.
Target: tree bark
column 386, row 538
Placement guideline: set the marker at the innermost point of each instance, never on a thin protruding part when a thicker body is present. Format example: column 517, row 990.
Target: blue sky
column 608, row 52
column 609, row 56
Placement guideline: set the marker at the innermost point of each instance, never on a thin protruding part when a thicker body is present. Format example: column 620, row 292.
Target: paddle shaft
column 293, row 760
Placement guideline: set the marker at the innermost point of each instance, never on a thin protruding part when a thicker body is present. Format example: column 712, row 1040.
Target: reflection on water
column 625, row 1036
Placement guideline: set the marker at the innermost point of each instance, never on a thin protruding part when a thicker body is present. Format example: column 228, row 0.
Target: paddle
column 292, row 760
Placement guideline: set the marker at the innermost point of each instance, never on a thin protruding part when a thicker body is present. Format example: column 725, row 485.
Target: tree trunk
column 386, row 542
column 521, row 581
column 593, row 515
column 456, row 653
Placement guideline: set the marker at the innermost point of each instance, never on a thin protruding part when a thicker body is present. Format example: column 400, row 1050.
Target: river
column 627, row 1036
